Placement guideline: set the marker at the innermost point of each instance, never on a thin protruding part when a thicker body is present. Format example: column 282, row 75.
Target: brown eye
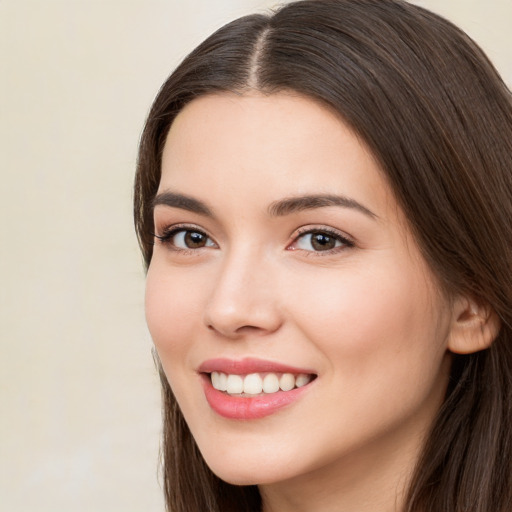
column 184, row 239
column 194, row 239
column 322, row 241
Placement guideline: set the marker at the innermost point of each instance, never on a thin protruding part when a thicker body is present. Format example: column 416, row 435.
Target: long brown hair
column 438, row 118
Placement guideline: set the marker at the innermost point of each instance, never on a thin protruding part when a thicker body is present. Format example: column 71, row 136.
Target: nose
column 244, row 300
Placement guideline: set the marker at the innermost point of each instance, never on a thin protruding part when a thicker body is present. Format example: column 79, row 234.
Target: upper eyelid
column 168, row 228
column 312, row 228
column 167, row 218
column 166, row 233
column 303, row 230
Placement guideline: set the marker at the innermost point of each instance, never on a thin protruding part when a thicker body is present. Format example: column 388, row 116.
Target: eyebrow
column 276, row 209
column 183, row 202
column 310, row 202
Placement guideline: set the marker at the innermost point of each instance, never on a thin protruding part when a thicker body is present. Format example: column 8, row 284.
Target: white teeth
column 270, row 383
column 215, row 380
column 219, row 381
column 253, row 384
column 302, row 380
column 287, row 382
column 234, row 384
column 223, row 382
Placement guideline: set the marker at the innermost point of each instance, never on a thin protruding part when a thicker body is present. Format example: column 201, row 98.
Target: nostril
column 235, row 310
column 237, row 331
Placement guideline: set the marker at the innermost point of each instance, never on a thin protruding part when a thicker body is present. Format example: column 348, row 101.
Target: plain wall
column 79, row 395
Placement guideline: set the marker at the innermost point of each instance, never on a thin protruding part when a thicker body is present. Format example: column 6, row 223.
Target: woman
column 324, row 202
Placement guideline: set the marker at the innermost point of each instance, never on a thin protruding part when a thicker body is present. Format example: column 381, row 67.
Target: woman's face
column 281, row 250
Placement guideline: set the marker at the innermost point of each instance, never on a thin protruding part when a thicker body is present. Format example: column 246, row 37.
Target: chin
column 237, row 479
column 245, row 478
column 240, row 472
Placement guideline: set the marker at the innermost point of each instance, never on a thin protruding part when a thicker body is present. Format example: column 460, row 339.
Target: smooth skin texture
column 365, row 316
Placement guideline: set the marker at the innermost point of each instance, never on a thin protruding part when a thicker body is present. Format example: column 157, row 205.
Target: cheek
column 382, row 340
column 172, row 309
column 388, row 318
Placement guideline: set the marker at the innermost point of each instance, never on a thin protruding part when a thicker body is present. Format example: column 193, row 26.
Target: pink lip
column 248, row 365
column 248, row 408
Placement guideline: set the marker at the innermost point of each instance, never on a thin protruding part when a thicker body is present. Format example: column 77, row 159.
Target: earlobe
column 474, row 326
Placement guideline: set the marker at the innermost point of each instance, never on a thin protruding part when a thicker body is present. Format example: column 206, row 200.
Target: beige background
column 79, row 397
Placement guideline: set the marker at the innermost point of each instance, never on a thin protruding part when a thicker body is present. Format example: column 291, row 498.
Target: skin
column 367, row 317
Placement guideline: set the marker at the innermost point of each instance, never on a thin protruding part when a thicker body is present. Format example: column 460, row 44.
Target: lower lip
column 250, row 407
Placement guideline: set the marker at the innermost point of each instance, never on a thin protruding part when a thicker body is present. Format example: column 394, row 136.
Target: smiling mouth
column 258, row 384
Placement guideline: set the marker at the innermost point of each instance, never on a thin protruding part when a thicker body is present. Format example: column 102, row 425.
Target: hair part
column 255, row 62
column 438, row 119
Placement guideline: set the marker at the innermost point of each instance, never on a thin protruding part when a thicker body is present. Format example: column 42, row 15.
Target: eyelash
column 344, row 240
column 170, row 232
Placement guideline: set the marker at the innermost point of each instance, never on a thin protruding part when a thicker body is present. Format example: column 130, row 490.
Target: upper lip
column 248, row 365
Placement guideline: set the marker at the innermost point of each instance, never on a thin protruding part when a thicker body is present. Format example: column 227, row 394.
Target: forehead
column 270, row 145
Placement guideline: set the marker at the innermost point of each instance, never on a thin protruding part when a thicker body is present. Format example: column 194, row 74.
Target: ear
column 474, row 326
